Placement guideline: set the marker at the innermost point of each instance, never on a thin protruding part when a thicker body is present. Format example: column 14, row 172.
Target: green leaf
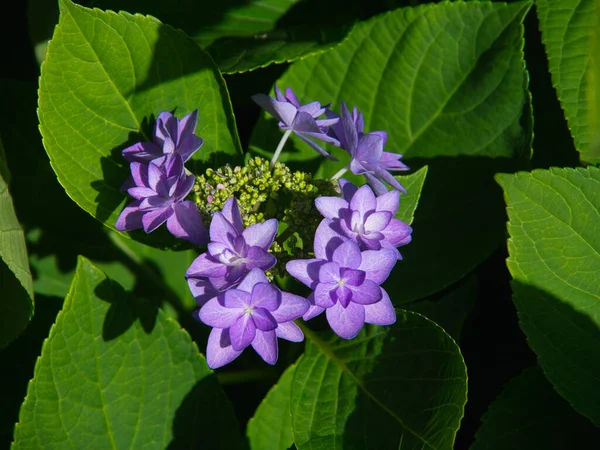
column 447, row 83
column 413, row 183
column 271, row 426
column 530, row 414
column 402, row 386
column 567, row 27
column 593, row 91
column 554, row 259
column 16, row 307
column 449, row 309
column 105, row 77
column 235, row 55
column 145, row 389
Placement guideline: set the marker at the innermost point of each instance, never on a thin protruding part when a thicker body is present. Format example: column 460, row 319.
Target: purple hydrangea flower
column 255, row 313
column 232, row 252
column 301, row 119
column 366, row 152
column 346, row 282
column 159, row 189
column 171, row 135
column 367, row 220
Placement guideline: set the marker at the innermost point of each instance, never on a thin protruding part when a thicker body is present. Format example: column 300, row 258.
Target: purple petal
column 313, row 109
column 378, row 264
column 391, row 161
column 142, row 152
column 363, row 201
column 397, row 232
column 382, row 135
column 242, row 332
column 326, row 240
column 263, row 320
column 353, row 277
column 186, row 223
column 216, row 315
column 221, row 230
column 130, row 218
column 291, row 307
column 279, row 96
column 261, row 234
column 382, row 312
column 231, row 212
column 219, row 350
column 290, row 332
column 357, row 167
column 190, row 145
column 365, row 294
column 329, row 273
column 390, row 201
column 377, row 221
column 153, row 219
column 236, row 299
column 140, row 193
column 166, row 126
column 389, row 178
column 316, row 147
column 187, row 125
column 324, row 295
column 305, row 270
column 330, row 207
column 282, row 111
column 267, row 296
column 155, row 175
column 370, row 148
column 182, row 187
column 349, row 129
column 265, row 344
column 260, row 259
column 347, row 188
column 347, row 255
column 202, row 290
column 139, row 173
column 291, row 97
column 378, row 187
column 313, row 310
column 346, row 322
column 253, row 277
column 205, row 266
column 235, row 273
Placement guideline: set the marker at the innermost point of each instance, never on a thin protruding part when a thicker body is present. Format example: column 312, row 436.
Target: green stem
column 339, row 173
column 279, row 148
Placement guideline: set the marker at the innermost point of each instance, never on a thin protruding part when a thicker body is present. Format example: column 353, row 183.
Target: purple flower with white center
column 367, row 220
column 297, row 118
column 232, row 251
column 346, row 282
column 159, row 189
column 171, row 135
column 255, row 313
column 366, row 151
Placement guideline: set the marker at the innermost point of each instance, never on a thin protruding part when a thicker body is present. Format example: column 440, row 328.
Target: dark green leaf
column 148, row 389
column 567, row 27
column 530, row 414
column 554, row 250
column 106, row 76
column 447, row 83
column 402, row 386
column 16, row 307
column 271, row 426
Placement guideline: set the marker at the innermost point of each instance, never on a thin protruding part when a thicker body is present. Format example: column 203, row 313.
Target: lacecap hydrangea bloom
column 255, row 313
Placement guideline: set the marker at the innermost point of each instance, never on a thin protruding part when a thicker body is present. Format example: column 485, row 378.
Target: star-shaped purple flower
column 366, row 151
column 367, row 220
column 171, row 135
column 232, row 251
column 159, row 189
column 346, row 282
column 300, row 119
column 255, row 313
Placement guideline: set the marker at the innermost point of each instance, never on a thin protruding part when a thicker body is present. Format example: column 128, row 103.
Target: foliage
column 114, row 355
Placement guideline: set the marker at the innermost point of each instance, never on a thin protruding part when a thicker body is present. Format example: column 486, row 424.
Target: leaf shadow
column 124, row 310
column 204, row 419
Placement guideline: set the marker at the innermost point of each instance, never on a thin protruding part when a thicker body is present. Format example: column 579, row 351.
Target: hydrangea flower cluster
column 267, row 222
column 159, row 182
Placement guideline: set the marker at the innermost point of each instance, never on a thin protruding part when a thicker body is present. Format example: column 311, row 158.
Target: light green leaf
column 271, row 426
column 402, row 386
column 554, row 259
column 413, row 183
column 530, row 414
column 593, row 91
column 449, row 309
column 147, row 389
column 567, row 27
column 235, row 55
column 447, row 83
column 16, row 306
column 105, row 77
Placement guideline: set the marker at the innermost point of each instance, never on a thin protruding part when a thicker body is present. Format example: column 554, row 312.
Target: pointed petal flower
column 330, row 207
column 313, row 310
column 365, row 294
column 219, row 351
column 377, row 221
column 231, row 212
column 363, row 201
column 282, row 111
column 382, row 312
column 236, row 299
column 202, row 290
column 346, row 322
column 242, row 332
column 347, row 188
column 390, row 201
column 265, row 344
column 305, row 270
column 186, row 223
column 290, row 332
column 153, row 219
column 261, row 234
column 216, row 315
column 259, row 258
column 326, row 240
column 263, row 320
column 291, row 307
column 221, row 230
column 324, row 295
column 347, row 255
column 267, row 296
column 130, row 218
column 377, row 264
column 253, row 277
column 205, row 266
